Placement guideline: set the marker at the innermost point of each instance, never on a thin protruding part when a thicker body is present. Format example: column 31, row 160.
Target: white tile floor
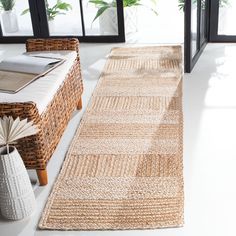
column 209, row 146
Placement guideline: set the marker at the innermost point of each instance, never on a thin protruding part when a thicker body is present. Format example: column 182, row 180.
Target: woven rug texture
column 124, row 168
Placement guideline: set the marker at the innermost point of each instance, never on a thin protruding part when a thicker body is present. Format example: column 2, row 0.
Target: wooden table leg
column 43, row 177
column 79, row 104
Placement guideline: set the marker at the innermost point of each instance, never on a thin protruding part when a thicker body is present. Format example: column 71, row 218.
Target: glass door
column 196, row 21
column 222, row 22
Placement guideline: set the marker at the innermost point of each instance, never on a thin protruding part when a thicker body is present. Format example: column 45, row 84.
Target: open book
column 17, row 72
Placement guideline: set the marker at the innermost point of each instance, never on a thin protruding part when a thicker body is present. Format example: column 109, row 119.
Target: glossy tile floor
column 209, row 146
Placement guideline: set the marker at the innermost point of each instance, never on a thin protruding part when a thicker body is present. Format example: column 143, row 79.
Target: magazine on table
column 19, row 71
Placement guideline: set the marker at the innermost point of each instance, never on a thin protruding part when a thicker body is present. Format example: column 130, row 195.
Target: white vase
column 131, row 19
column 109, row 24
column 51, row 25
column 9, row 21
column 17, row 199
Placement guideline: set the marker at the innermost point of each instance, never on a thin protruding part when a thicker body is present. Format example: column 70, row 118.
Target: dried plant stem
column 8, row 151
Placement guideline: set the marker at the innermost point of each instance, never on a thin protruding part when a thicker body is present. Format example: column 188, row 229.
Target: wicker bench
column 37, row 150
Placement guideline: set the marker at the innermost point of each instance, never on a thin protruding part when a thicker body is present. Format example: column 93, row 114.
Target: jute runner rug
column 124, row 167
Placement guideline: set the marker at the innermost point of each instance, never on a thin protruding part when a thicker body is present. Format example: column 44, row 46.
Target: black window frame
column 214, row 23
column 41, row 29
column 189, row 59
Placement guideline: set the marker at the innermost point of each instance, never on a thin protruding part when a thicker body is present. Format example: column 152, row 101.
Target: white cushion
column 42, row 91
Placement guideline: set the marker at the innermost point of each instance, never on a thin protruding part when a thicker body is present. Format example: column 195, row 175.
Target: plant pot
column 51, row 25
column 131, row 19
column 17, row 199
column 109, row 24
column 9, row 21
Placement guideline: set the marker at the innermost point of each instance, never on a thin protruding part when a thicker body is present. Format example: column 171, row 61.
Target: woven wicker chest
column 36, row 150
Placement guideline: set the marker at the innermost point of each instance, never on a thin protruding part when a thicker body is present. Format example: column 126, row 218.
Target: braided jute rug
column 124, row 168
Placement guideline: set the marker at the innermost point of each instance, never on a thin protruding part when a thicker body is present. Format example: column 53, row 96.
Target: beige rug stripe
column 124, row 168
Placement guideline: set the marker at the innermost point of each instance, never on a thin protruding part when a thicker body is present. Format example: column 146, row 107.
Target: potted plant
column 9, row 18
column 17, row 199
column 107, row 14
column 60, row 8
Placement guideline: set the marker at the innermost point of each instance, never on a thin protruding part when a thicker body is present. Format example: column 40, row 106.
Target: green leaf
column 25, row 11
column 64, row 6
column 181, row 5
column 99, row 2
column 58, row 9
column 100, row 11
column 7, row 5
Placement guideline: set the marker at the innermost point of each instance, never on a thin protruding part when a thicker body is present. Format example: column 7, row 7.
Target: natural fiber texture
column 124, row 167
column 37, row 150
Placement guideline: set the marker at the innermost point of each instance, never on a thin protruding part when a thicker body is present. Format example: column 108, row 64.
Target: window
column 62, row 18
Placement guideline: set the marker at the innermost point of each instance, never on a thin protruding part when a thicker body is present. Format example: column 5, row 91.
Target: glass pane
column 152, row 24
column 64, row 17
column 227, row 17
column 194, row 27
column 106, row 23
column 13, row 22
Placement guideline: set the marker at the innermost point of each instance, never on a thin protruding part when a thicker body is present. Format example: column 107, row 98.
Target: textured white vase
column 51, row 25
column 131, row 19
column 17, row 199
column 109, row 24
column 9, row 21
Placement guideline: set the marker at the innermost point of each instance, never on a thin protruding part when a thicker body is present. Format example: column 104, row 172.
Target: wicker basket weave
column 37, row 150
